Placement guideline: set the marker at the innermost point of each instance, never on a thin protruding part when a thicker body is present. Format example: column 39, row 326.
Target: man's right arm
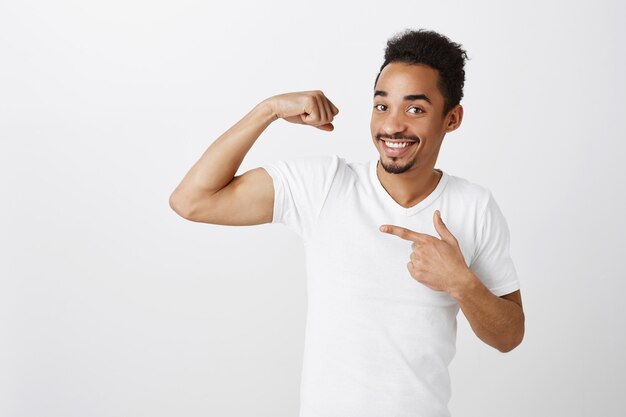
column 211, row 193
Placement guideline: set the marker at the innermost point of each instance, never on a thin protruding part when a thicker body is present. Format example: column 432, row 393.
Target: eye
column 417, row 110
column 378, row 107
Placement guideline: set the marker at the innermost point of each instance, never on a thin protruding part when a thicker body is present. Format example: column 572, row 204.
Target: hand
column 305, row 107
column 436, row 263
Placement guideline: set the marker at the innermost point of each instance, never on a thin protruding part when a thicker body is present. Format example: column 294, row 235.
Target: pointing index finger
column 402, row 232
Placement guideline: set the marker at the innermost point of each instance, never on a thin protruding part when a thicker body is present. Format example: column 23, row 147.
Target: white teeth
column 398, row 144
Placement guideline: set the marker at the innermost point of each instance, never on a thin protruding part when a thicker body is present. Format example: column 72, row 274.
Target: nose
column 393, row 123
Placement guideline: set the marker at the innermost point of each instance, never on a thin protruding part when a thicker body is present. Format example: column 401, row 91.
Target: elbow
column 505, row 348
column 180, row 205
column 513, row 341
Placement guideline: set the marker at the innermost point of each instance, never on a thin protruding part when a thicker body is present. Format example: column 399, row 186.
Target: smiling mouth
column 398, row 144
column 397, row 148
column 392, row 140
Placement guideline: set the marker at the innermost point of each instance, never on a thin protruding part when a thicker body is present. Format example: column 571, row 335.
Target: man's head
column 435, row 50
column 417, row 97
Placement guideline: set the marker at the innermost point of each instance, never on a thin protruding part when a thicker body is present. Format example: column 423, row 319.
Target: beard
column 395, row 168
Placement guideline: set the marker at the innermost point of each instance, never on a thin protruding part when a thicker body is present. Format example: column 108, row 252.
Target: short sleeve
column 300, row 190
column 492, row 261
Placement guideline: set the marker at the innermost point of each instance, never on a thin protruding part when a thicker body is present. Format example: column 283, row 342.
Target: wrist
column 467, row 284
column 266, row 108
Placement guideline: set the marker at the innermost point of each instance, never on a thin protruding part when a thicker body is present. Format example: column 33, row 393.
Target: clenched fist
column 305, row 107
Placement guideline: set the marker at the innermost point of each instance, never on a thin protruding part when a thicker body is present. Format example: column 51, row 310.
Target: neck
column 411, row 187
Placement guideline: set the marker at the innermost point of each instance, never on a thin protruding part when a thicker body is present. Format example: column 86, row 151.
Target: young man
column 386, row 276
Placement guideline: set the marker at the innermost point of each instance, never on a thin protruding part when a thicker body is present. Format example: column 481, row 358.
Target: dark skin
column 211, row 192
column 408, row 107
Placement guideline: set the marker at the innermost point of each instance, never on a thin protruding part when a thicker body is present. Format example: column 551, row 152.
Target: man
column 386, row 276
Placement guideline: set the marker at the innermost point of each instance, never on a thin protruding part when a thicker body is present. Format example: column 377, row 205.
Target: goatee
column 396, row 169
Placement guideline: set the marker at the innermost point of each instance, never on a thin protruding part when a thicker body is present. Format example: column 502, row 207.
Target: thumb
column 327, row 127
column 442, row 229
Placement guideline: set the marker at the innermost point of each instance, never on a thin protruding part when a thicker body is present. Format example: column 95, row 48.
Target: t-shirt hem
column 505, row 289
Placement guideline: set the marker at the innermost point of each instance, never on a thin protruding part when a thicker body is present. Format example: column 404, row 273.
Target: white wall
column 112, row 305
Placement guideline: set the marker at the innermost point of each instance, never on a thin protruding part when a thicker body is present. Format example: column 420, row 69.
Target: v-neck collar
column 386, row 197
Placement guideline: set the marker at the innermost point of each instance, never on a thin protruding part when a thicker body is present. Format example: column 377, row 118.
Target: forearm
column 220, row 162
column 496, row 321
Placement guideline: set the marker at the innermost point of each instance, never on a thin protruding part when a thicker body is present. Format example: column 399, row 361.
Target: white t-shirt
column 377, row 342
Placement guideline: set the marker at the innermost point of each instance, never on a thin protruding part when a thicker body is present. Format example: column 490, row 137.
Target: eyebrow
column 410, row 97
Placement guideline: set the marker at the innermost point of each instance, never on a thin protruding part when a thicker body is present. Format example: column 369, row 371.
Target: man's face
column 407, row 112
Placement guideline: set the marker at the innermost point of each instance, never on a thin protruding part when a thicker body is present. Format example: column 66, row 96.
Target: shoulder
column 468, row 192
column 310, row 172
column 328, row 166
column 310, row 162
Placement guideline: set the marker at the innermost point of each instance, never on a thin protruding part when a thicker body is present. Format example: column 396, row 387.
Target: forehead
column 399, row 79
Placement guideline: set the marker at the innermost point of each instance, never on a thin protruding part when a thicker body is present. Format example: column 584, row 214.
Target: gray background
column 112, row 305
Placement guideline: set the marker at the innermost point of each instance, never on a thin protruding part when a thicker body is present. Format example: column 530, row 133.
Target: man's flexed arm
column 211, row 193
column 439, row 264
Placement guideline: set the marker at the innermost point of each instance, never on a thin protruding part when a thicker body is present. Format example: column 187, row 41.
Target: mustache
column 409, row 137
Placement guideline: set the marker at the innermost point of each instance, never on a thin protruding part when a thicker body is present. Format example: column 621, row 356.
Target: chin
column 395, row 168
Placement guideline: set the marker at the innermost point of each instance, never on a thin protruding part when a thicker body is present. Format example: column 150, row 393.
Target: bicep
column 247, row 200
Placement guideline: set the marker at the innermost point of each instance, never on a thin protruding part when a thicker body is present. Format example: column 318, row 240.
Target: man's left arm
column 497, row 321
column 439, row 264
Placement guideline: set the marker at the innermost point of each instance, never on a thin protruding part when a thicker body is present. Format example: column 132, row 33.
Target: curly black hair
column 435, row 50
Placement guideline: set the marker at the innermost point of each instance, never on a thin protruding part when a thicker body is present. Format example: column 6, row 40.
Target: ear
column 454, row 118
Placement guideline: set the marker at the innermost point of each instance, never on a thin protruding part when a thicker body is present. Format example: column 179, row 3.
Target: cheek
column 373, row 127
column 426, row 130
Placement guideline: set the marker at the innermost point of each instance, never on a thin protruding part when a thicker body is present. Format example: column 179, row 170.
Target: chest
column 348, row 255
